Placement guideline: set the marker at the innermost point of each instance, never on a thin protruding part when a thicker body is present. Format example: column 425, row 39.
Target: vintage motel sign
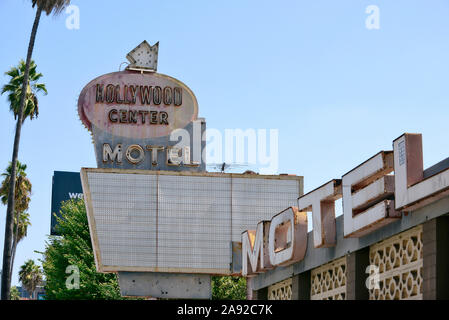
column 137, row 117
column 155, row 216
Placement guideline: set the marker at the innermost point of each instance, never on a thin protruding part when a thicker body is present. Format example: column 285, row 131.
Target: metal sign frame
column 102, row 267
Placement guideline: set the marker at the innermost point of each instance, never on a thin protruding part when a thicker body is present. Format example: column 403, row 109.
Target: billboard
column 180, row 222
column 65, row 186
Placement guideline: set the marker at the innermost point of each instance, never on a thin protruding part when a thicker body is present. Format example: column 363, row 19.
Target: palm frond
column 40, row 87
column 14, row 90
column 13, row 72
column 51, row 6
column 36, row 76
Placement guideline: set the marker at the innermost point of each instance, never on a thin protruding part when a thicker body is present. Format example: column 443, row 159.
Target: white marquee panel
column 172, row 222
column 254, row 200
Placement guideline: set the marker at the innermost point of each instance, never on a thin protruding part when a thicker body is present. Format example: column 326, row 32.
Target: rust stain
column 93, row 112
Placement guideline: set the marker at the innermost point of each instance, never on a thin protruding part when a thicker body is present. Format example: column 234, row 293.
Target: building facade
column 406, row 259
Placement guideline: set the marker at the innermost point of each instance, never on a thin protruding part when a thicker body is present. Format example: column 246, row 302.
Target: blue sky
column 337, row 92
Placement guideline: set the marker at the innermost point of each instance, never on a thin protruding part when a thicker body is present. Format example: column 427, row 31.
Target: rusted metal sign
column 281, row 241
column 372, row 198
column 413, row 189
column 368, row 196
column 140, row 119
column 321, row 202
column 146, row 219
column 137, row 105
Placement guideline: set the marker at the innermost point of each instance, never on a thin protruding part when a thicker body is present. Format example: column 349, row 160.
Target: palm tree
column 14, row 90
column 30, row 275
column 48, row 6
column 21, row 224
column 22, row 200
column 22, row 187
column 15, row 295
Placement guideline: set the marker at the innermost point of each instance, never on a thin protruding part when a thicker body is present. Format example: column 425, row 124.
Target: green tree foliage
column 22, row 189
column 228, row 288
column 15, row 295
column 74, row 248
column 13, row 89
column 30, row 275
column 22, row 197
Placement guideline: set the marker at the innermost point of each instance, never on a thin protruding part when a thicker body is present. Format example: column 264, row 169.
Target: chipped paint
column 93, row 112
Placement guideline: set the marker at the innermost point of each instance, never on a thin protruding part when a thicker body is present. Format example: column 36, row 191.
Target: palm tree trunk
column 6, row 274
column 14, row 243
column 13, row 255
